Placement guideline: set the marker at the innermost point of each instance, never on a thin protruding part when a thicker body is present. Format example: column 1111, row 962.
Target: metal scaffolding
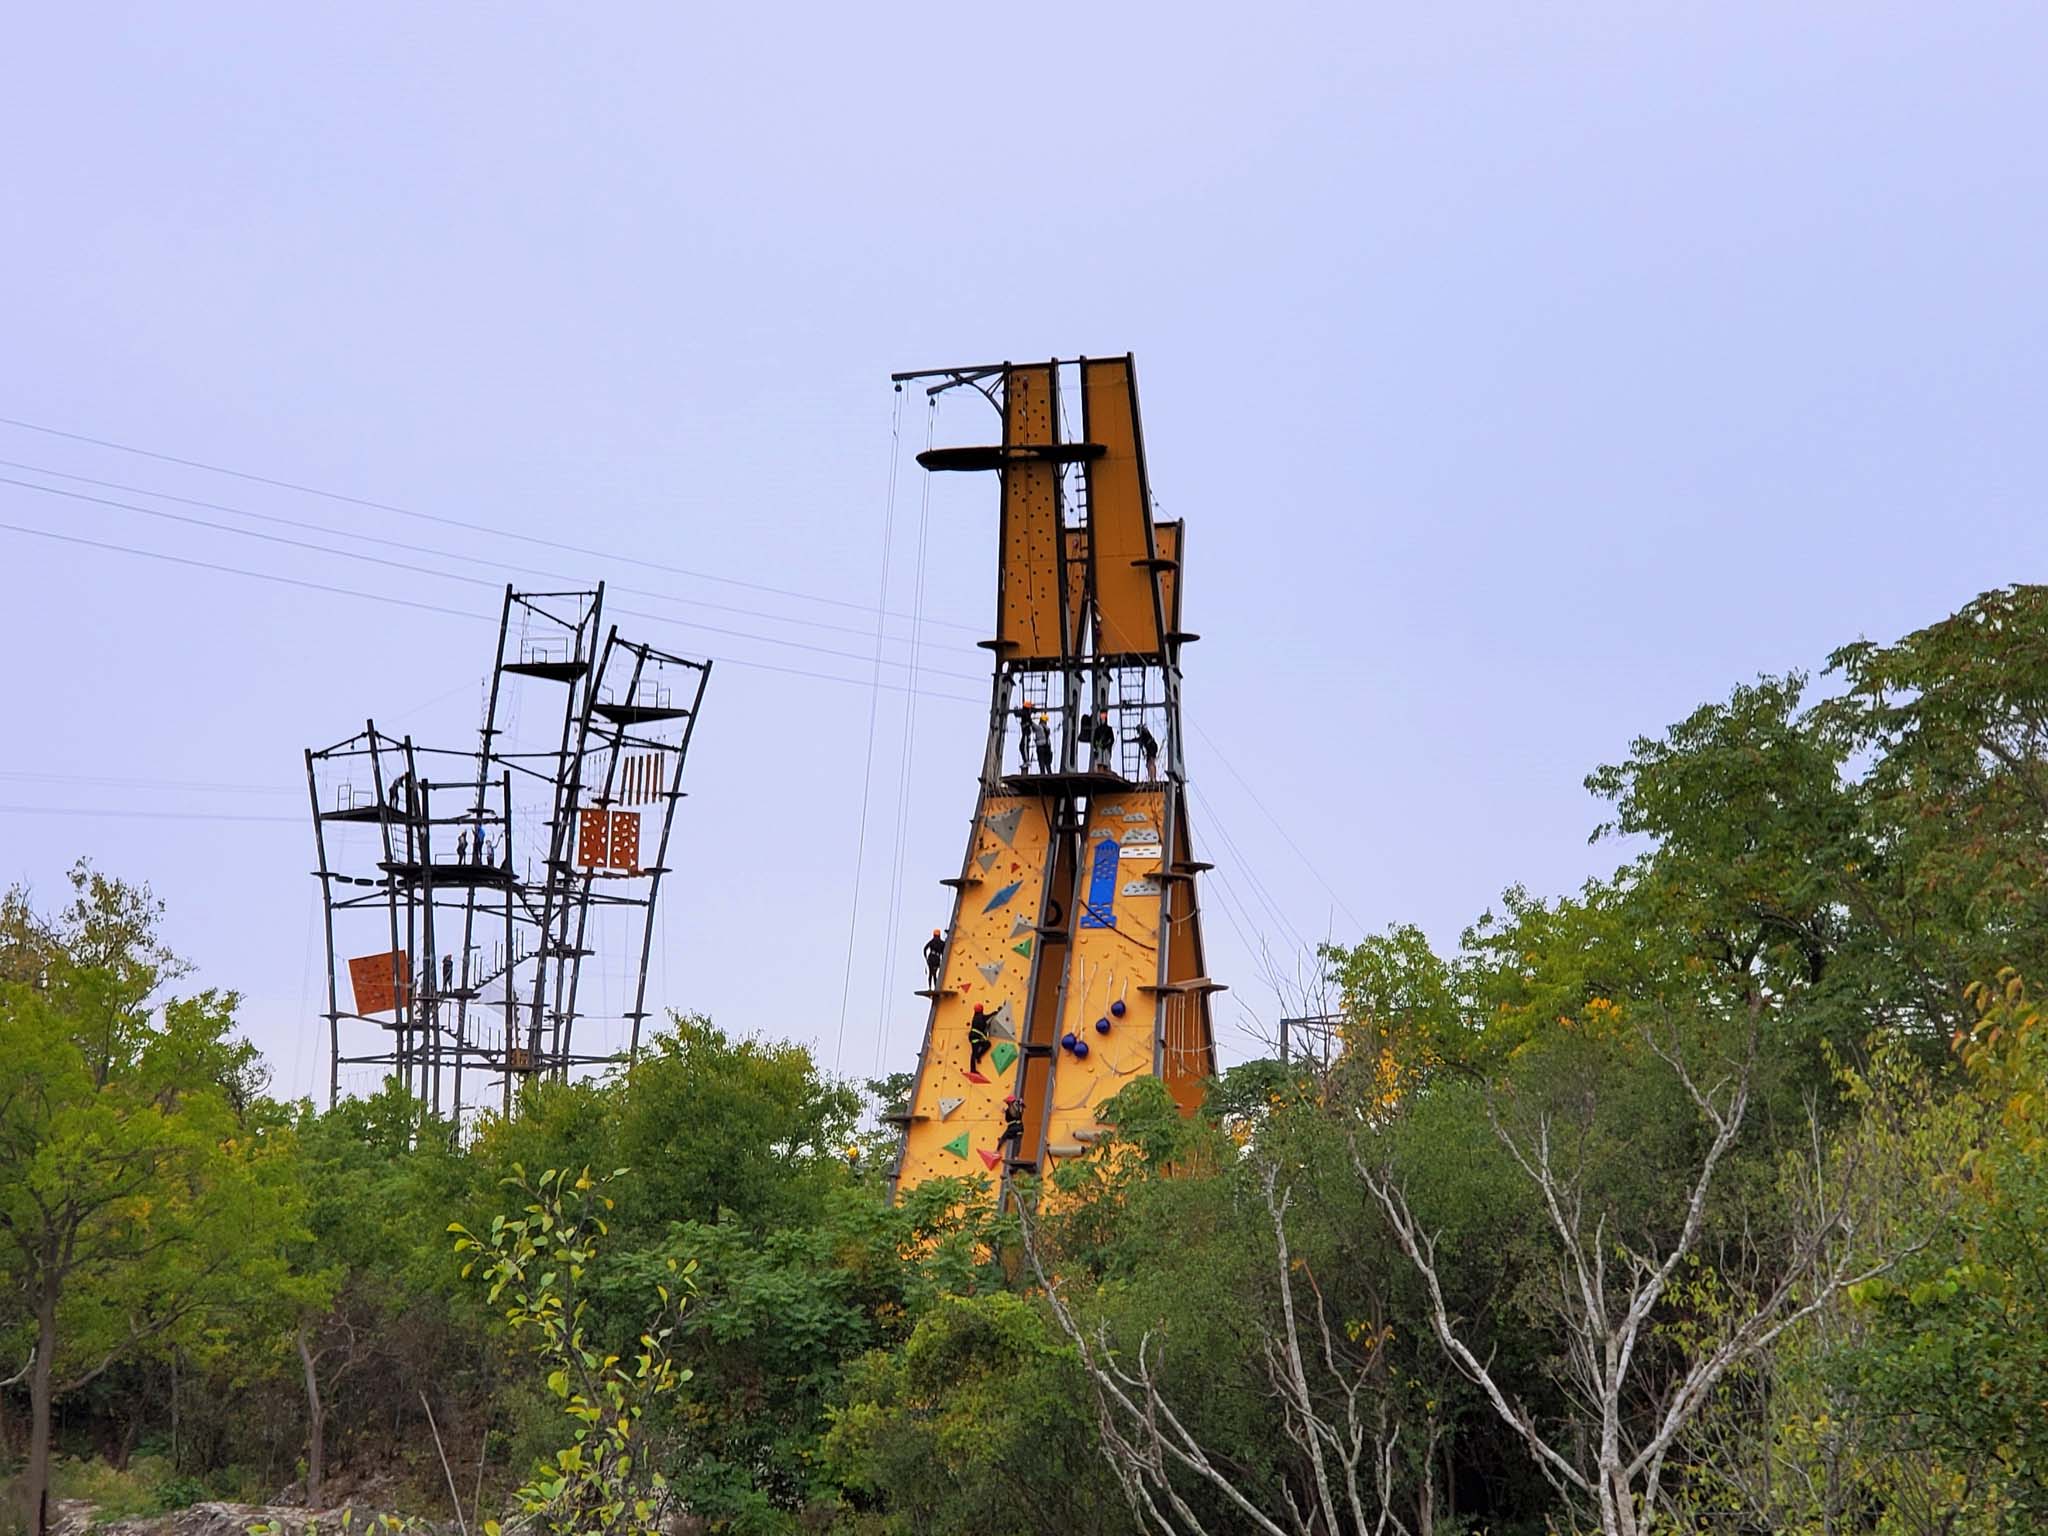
column 463, row 889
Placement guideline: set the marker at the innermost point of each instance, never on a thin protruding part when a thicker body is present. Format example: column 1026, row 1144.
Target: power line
column 95, row 811
column 187, row 785
column 406, row 602
column 435, row 517
column 418, row 549
column 422, row 570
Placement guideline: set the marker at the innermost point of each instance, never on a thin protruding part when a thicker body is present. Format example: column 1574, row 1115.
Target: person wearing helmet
column 934, row 952
column 1101, row 741
column 978, row 1038
column 1148, row 747
column 1027, row 734
column 1044, row 746
column 1013, row 1127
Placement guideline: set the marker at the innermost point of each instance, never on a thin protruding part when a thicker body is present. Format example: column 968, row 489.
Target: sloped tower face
column 1074, row 963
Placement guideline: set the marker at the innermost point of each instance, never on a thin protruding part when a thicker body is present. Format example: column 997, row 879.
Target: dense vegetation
column 1710, row 1197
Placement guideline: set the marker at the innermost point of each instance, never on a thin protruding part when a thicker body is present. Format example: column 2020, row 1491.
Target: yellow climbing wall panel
column 956, row 1119
column 1167, row 537
column 1119, row 515
column 1028, row 600
column 1113, row 959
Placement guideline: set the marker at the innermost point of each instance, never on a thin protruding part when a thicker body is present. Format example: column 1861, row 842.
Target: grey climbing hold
column 999, row 1025
column 991, row 973
column 1005, row 824
column 1022, row 925
column 987, row 861
column 947, row 1106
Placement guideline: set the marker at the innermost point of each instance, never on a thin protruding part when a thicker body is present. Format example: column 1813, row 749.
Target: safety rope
column 924, row 514
column 874, row 705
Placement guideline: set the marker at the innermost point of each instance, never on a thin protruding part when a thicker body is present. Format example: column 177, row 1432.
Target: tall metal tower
column 464, row 889
column 1074, row 962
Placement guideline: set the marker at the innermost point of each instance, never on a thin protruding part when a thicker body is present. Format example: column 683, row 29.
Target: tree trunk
column 41, row 1386
column 316, row 1425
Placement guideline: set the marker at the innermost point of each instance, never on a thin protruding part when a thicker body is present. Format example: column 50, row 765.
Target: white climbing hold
column 947, row 1106
column 992, row 972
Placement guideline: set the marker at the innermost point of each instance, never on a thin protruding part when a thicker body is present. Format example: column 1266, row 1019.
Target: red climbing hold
column 989, row 1159
column 974, row 1076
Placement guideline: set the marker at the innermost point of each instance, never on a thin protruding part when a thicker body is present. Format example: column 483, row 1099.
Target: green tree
column 136, row 1189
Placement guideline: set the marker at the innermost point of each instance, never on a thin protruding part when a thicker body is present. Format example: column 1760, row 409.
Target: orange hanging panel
column 593, row 836
column 626, row 842
column 381, row 983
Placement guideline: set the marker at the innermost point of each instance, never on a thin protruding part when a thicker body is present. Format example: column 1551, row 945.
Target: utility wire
column 406, row 602
column 435, row 517
column 419, row 549
column 422, row 570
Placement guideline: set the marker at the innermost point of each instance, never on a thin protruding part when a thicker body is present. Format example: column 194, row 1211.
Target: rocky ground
column 74, row 1517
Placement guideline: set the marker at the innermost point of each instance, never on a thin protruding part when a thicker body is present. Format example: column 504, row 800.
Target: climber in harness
column 1148, row 748
column 1044, row 746
column 1013, row 1127
column 934, row 952
column 1101, row 740
column 1027, row 734
column 978, row 1040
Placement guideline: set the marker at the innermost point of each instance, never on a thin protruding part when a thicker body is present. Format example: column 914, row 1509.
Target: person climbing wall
column 1148, row 746
column 934, row 952
column 1013, row 1127
column 977, row 1038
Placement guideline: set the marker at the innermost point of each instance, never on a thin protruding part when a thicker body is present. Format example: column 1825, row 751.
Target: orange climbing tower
column 1076, row 930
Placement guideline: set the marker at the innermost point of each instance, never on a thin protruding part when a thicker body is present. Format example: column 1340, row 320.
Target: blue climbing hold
column 1070, row 1039
column 1117, row 1008
column 1081, row 1048
column 1102, row 1026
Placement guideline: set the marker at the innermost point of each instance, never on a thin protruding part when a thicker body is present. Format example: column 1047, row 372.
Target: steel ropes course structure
column 464, row 888
column 1074, row 962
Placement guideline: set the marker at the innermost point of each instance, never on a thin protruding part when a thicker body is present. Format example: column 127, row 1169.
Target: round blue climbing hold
column 1080, row 1047
column 1117, row 1008
column 1070, row 1040
column 1102, row 1026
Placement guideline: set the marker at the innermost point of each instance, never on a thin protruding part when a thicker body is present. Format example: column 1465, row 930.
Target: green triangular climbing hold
column 1023, row 949
column 958, row 1145
column 1003, row 1055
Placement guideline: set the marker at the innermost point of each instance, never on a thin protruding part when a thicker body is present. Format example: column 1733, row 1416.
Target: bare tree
column 1331, row 1411
column 1609, row 1291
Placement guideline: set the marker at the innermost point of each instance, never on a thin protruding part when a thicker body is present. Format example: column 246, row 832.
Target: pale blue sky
column 1525, row 376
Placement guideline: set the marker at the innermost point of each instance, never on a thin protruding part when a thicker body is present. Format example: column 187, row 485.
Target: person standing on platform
column 1148, row 748
column 1044, row 746
column 1101, row 741
column 934, row 953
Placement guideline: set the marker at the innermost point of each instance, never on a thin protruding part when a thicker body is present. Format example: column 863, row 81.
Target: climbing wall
column 955, row 1116
column 1109, row 1012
